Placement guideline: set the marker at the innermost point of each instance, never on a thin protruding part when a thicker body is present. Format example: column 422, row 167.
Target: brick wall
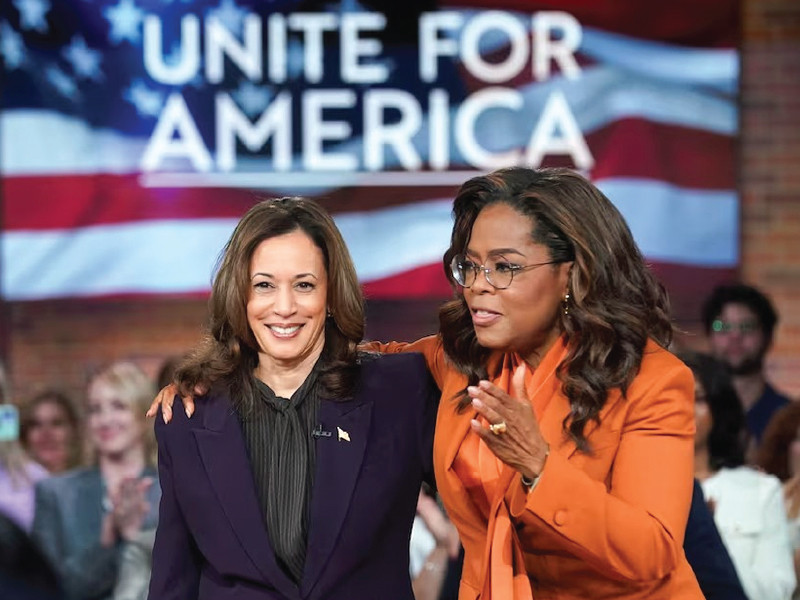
column 770, row 173
column 57, row 343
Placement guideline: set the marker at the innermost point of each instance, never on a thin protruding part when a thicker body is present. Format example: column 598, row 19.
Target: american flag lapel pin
column 343, row 435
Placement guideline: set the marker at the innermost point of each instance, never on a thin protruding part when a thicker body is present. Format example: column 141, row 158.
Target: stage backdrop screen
column 134, row 132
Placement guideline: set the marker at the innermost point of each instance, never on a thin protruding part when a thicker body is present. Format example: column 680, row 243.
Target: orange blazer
column 609, row 524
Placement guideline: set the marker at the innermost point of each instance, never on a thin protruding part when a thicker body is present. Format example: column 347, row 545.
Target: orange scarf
column 505, row 576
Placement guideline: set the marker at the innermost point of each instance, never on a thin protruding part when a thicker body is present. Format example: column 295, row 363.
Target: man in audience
column 739, row 321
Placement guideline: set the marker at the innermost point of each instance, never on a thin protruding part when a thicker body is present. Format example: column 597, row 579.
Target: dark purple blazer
column 212, row 543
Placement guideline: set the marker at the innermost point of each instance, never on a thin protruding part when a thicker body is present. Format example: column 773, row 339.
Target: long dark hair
column 229, row 350
column 728, row 435
column 615, row 301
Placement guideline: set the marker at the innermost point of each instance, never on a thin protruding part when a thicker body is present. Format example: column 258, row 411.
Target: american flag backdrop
column 124, row 174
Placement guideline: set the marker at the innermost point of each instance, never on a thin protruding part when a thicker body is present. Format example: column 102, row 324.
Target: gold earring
column 565, row 304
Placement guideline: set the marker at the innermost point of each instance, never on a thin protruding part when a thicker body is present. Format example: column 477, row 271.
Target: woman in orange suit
column 564, row 438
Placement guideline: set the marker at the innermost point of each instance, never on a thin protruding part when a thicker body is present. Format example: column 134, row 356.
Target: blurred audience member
column 434, row 545
column 84, row 518
column 747, row 504
column 740, row 321
column 50, row 431
column 25, row 573
column 18, row 473
column 780, row 455
column 135, row 567
column 706, row 553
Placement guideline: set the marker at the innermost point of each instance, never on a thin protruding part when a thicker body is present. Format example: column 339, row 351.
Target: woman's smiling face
column 287, row 304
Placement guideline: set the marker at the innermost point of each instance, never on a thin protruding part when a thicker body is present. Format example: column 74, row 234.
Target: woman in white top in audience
column 779, row 455
column 747, row 504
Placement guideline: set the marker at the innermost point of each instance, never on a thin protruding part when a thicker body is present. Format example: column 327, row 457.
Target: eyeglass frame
column 726, row 327
column 486, row 271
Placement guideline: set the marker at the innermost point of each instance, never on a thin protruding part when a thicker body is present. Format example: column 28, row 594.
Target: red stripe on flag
column 637, row 148
column 427, row 281
column 688, row 158
column 710, row 24
column 70, row 201
column 688, row 285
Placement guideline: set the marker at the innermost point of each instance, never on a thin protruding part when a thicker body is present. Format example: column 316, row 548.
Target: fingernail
column 477, row 403
column 483, row 384
column 472, row 389
column 188, row 412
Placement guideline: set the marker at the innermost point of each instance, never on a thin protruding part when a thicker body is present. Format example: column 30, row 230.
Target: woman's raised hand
column 516, row 439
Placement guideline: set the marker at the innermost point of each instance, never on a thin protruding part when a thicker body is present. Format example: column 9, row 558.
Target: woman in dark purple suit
column 298, row 476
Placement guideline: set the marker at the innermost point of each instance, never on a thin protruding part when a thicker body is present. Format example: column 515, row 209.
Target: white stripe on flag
column 670, row 224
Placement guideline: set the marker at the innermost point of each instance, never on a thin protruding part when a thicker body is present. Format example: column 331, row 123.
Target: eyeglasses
column 499, row 273
column 720, row 326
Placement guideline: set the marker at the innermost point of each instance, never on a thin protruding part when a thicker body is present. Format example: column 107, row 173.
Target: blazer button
column 560, row 517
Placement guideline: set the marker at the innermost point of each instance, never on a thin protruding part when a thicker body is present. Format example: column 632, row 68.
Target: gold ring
column 498, row 428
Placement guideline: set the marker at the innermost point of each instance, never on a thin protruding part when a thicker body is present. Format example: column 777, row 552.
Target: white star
column 32, row 14
column 11, row 47
column 252, row 98
column 62, row 82
column 230, row 15
column 85, row 61
column 148, row 102
column 125, row 19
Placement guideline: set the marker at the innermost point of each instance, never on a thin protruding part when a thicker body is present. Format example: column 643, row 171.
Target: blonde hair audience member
column 85, row 518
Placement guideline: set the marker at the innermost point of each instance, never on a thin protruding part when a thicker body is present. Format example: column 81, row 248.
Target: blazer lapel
column 558, row 410
column 339, row 458
column 224, row 455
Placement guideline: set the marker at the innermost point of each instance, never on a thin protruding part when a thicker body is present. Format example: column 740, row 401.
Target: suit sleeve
column 430, row 347
column 429, row 397
column 630, row 526
column 176, row 560
column 85, row 574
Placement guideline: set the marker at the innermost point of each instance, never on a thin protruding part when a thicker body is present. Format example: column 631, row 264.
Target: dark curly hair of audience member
column 738, row 293
column 727, row 438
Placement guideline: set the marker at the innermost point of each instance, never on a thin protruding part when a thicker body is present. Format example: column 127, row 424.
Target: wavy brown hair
column 229, row 350
column 615, row 301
